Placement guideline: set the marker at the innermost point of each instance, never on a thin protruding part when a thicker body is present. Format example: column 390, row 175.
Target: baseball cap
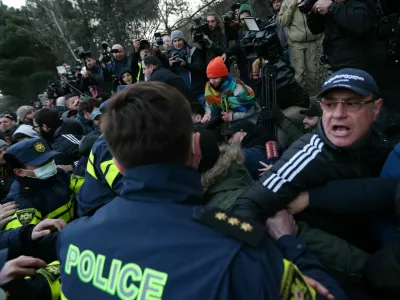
column 95, row 113
column 9, row 115
column 312, row 111
column 26, row 130
column 356, row 80
column 32, row 152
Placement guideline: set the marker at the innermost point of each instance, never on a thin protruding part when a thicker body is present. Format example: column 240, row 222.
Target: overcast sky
column 14, row 3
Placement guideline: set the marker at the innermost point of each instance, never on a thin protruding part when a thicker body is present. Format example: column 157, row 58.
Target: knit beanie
column 209, row 149
column 177, row 35
column 217, row 68
column 22, row 112
column 245, row 7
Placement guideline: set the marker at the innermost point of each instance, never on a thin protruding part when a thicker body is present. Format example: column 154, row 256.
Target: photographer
column 349, row 26
column 190, row 64
column 119, row 61
column 232, row 23
column 214, row 37
column 167, row 44
column 93, row 78
column 303, row 44
column 142, row 50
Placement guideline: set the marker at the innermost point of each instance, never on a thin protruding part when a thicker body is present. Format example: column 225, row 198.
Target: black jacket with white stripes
column 310, row 162
column 66, row 140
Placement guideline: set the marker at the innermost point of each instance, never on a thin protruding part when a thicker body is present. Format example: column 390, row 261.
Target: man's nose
column 340, row 111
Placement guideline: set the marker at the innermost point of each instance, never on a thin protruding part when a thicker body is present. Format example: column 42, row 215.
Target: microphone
column 271, row 150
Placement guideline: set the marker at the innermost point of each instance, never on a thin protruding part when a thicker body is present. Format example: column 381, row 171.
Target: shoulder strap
column 243, row 230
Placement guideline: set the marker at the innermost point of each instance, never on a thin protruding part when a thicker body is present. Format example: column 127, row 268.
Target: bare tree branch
column 177, row 24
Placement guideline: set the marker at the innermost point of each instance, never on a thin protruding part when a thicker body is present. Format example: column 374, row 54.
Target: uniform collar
column 163, row 183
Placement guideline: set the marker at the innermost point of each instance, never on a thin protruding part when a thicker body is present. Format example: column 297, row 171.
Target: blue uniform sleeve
column 256, row 272
column 296, row 251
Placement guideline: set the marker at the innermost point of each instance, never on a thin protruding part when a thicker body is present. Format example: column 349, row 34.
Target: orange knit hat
column 217, row 68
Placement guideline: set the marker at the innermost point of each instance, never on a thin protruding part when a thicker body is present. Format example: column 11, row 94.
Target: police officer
column 102, row 180
column 155, row 239
column 40, row 190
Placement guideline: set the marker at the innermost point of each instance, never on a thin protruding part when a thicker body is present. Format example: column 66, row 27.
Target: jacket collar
column 373, row 139
column 163, row 183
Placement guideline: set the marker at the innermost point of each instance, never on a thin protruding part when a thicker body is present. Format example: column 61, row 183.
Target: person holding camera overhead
column 95, row 77
column 190, row 64
column 302, row 44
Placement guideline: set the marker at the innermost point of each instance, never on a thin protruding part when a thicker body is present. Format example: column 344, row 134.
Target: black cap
column 240, row 126
column 356, row 80
column 312, row 111
column 9, row 115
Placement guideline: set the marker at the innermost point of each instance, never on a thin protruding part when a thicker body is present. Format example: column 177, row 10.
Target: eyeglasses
column 349, row 105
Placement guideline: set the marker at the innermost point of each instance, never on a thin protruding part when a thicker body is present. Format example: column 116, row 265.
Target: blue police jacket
column 151, row 243
column 102, row 179
column 41, row 199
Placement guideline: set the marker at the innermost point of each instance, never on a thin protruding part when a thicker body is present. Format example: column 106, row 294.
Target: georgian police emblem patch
column 25, row 216
column 51, row 272
column 293, row 284
column 39, row 147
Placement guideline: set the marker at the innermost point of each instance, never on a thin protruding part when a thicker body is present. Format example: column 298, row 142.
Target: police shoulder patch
column 39, row 147
column 293, row 284
column 244, row 230
column 25, row 216
column 51, row 272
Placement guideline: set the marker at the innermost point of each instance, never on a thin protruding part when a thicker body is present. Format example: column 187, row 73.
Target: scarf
column 225, row 99
column 184, row 52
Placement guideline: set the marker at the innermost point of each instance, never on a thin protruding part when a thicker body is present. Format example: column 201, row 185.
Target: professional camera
column 306, row 5
column 228, row 17
column 81, row 53
column 106, row 57
column 158, row 38
column 231, row 15
column 177, row 60
column 199, row 28
column 261, row 42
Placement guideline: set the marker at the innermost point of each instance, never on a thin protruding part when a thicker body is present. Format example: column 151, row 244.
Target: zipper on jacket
column 305, row 26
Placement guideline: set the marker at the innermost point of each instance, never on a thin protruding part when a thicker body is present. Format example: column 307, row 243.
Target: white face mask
column 45, row 171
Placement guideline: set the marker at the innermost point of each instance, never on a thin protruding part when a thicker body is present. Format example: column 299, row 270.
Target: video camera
column 199, row 28
column 158, row 38
column 231, row 15
column 261, row 43
column 81, row 53
column 306, row 5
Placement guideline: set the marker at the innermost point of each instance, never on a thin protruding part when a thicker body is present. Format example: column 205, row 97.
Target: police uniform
column 38, row 199
column 157, row 241
column 102, row 179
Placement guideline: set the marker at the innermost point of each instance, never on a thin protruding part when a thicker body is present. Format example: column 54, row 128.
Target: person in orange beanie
column 228, row 96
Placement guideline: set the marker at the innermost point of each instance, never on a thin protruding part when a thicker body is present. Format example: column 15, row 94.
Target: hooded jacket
column 310, row 162
column 227, row 179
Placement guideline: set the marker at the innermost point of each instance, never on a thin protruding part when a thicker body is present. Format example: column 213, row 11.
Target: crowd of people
column 168, row 177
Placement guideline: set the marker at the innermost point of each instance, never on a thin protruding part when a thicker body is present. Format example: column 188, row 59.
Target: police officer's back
column 156, row 240
column 40, row 190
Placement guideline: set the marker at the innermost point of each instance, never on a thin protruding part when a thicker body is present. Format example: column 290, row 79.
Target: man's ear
column 377, row 107
column 195, row 151
column 119, row 166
